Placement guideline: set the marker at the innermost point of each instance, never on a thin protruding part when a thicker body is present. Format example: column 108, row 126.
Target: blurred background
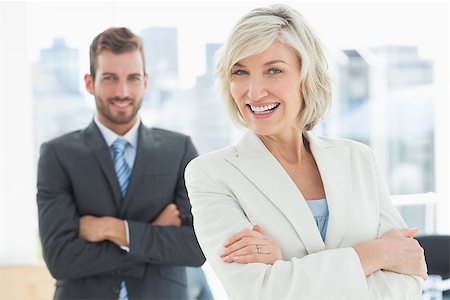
column 390, row 63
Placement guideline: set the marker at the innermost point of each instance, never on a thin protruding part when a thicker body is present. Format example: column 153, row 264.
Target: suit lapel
column 261, row 168
column 333, row 161
column 97, row 144
column 144, row 152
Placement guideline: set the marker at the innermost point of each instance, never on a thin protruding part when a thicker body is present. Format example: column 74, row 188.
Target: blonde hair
column 254, row 33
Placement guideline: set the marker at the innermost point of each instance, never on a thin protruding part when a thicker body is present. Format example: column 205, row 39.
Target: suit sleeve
column 169, row 245
column 66, row 255
column 330, row 274
column 384, row 284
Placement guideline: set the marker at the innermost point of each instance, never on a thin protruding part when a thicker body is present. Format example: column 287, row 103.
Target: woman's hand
column 394, row 251
column 250, row 246
column 404, row 254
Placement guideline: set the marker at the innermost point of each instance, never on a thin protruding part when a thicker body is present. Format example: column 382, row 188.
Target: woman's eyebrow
column 275, row 62
column 239, row 64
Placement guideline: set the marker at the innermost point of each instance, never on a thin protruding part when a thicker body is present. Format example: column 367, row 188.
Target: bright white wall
column 442, row 134
column 18, row 219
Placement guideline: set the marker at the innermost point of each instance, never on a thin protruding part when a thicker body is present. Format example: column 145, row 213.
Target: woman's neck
column 289, row 148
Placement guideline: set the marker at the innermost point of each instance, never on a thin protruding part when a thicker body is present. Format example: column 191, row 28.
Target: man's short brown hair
column 117, row 40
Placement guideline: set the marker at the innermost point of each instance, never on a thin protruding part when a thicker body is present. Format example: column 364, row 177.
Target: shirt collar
column 110, row 136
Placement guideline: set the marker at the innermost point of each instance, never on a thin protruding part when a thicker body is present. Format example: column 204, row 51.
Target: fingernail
column 228, row 259
column 226, row 243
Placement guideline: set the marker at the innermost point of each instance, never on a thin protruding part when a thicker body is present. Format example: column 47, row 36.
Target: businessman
column 114, row 217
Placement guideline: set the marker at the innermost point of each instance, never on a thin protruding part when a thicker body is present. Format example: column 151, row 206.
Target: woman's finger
column 242, row 243
column 247, row 250
column 268, row 259
column 258, row 228
column 241, row 234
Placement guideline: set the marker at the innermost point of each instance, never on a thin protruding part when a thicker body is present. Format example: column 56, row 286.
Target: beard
column 121, row 117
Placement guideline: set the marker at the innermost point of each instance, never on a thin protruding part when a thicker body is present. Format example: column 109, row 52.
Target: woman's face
column 266, row 89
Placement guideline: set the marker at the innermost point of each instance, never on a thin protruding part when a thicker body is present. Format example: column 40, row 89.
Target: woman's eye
column 239, row 72
column 274, row 71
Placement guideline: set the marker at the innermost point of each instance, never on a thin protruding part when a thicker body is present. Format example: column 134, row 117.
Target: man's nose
column 123, row 90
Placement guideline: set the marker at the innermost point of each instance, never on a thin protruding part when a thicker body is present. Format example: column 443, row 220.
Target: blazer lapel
column 333, row 161
column 144, row 152
column 97, row 144
column 261, row 168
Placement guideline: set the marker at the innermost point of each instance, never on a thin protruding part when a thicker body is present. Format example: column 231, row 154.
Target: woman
column 285, row 214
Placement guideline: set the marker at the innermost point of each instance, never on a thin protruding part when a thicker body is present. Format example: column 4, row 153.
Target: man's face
column 119, row 87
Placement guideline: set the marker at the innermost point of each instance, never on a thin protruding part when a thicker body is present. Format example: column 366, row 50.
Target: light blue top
column 319, row 209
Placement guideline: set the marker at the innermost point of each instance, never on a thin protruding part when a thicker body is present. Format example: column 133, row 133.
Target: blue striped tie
column 123, row 173
column 123, row 294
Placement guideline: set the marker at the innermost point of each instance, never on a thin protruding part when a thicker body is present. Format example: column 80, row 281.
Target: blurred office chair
column 437, row 256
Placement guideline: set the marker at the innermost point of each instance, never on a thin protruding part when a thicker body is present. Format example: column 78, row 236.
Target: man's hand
column 98, row 229
column 92, row 229
column 170, row 216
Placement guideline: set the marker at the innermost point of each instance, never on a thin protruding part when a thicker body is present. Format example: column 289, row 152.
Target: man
column 114, row 216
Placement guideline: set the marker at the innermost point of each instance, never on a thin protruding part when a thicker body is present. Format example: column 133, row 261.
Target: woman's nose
column 257, row 88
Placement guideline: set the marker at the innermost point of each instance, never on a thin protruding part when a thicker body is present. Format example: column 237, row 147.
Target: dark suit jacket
column 76, row 177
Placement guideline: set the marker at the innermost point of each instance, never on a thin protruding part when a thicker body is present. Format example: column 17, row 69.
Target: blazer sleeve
column 68, row 256
column 169, row 245
column 330, row 274
column 385, row 284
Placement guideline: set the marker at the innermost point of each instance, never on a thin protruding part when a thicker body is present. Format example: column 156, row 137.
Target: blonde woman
column 285, row 214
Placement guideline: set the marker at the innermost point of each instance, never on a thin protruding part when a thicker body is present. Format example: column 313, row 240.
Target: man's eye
column 239, row 72
column 109, row 78
column 135, row 78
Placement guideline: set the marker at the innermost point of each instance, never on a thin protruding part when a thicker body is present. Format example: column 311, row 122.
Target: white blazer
column 237, row 187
